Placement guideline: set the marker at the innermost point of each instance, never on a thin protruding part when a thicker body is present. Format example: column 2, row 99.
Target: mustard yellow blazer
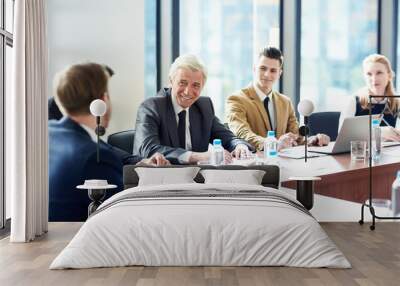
column 247, row 118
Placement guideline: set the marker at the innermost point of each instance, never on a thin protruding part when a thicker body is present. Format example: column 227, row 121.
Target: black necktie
column 182, row 129
column 266, row 101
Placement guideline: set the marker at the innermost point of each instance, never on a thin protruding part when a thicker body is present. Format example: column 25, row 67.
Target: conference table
column 343, row 178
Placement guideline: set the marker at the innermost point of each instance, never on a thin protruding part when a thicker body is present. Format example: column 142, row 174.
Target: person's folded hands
column 287, row 140
column 241, row 152
column 390, row 134
column 227, row 157
column 157, row 159
column 319, row 140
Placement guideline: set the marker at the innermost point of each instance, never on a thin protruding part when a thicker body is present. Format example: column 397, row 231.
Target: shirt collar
column 260, row 93
column 90, row 131
column 177, row 107
column 375, row 101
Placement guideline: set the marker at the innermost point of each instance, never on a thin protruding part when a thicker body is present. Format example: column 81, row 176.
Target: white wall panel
column 103, row 31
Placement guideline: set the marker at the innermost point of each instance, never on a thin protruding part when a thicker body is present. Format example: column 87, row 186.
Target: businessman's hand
column 241, row 152
column 390, row 134
column 157, row 159
column 204, row 157
column 319, row 140
column 287, row 140
column 196, row 157
column 227, row 157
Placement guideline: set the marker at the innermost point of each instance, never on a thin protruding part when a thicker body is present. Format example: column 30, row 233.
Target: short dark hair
column 79, row 85
column 272, row 53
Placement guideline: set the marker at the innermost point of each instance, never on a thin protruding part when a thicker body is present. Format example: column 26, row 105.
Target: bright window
column 9, row 64
column 6, row 42
column 9, row 15
column 150, row 56
column 397, row 77
column 226, row 35
column 335, row 38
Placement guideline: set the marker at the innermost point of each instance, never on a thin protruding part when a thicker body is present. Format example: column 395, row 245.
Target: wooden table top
column 327, row 165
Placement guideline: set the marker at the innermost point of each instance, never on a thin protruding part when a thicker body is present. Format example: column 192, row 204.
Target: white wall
column 104, row 31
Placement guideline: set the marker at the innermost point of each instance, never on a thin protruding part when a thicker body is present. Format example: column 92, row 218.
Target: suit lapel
column 281, row 122
column 260, row 106
column 195, row 127
column 171, row 122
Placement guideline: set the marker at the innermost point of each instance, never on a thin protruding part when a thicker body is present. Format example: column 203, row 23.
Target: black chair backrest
column 54, row 111
column 123, row 140
column 324, row 122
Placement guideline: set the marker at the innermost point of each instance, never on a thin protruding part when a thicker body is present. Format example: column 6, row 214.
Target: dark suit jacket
column 157, row 130
column 72, row 160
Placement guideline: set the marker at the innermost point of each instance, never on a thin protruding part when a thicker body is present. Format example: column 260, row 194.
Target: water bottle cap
column 375, row 121
column 217, row 142
column 271, row 133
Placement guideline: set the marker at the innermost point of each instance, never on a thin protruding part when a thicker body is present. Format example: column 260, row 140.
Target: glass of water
column 358, row 150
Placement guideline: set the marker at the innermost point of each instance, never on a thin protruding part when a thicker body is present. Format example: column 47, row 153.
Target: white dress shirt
column 90, row 131
column 184, row 158
column 271, row 105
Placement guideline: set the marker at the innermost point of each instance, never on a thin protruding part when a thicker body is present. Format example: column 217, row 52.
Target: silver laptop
column 390, row 144
column 353, row 128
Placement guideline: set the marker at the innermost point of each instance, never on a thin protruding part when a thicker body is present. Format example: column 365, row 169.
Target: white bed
column 201, row 224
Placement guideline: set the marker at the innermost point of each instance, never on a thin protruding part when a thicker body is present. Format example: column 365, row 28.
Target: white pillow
column 166, row 176
column 248, row 177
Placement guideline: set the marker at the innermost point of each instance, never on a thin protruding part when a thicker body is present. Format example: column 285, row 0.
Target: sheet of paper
column 298, row 153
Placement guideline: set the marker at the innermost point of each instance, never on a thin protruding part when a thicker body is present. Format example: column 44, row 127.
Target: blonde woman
column 378, row 76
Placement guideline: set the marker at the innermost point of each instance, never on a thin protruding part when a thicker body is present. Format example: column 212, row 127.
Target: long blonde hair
column 389, row 90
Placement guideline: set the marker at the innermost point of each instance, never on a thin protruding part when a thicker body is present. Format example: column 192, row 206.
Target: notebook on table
column 297, row 152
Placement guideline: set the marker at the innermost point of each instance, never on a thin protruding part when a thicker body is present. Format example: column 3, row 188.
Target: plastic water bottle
column 376, row 140
column 396, row 195
column 271, row 146
column 217, row 153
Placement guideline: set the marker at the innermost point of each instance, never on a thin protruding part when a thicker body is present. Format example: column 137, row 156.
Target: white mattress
column 183, row 231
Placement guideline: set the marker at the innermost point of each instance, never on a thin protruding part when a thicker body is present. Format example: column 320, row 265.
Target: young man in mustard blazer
column 254, row 110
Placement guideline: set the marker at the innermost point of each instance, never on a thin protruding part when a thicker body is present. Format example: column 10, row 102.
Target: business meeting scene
column 199, row 142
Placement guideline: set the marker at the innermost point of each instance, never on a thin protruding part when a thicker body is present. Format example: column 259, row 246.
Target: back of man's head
column 79, row 85
column 272, row 53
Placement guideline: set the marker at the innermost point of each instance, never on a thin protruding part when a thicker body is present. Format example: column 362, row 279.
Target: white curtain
column 26, row 120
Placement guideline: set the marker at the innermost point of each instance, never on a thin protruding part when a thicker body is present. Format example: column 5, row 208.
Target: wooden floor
column 374, row 255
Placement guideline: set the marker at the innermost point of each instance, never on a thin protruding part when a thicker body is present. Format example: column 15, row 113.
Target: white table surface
column 331, row 209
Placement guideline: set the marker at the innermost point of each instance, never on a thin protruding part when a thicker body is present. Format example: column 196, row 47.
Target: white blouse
column 351, row 107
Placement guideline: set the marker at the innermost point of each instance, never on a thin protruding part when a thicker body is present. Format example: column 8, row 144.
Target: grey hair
column 190, row 62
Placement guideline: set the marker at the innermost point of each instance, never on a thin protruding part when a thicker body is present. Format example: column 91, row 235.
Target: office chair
column 54, row 110
column 123, row 140
column 324, row 122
